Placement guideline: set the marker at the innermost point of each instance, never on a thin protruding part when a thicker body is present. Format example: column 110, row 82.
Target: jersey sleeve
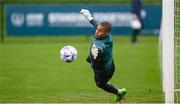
column 94, row 23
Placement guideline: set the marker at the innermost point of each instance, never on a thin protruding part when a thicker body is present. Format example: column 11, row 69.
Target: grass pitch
column 32, row 71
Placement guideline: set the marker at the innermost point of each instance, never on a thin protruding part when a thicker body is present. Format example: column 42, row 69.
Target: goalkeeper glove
column 87, row 14
column 94, row 51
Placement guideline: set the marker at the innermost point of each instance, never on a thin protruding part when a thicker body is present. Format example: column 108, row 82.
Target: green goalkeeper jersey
column 104, row 59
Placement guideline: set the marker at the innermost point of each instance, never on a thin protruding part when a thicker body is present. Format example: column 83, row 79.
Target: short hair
column 107, row 25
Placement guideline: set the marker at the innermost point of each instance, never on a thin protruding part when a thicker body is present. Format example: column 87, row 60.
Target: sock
column 109, row 88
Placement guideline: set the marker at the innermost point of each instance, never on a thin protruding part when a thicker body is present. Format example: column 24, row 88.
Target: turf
column 32, row 72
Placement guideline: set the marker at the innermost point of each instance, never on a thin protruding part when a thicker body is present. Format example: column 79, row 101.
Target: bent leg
column 102, row 79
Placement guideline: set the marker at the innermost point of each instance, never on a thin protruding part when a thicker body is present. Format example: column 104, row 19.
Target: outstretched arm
column 89, row 17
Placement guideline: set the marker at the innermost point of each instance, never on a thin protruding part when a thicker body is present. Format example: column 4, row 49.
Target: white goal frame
column 168, row 49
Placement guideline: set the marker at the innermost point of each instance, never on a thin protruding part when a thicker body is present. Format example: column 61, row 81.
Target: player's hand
column 87, row 14
column 94, row 51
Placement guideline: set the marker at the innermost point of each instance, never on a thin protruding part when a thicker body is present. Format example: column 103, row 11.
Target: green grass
column 32, row 71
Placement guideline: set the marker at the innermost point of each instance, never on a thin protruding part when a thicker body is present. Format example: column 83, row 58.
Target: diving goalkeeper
column 100, row 56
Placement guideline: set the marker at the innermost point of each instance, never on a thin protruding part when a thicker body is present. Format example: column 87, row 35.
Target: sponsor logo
column 17, row 19
column 70, row 19
column 34, row 19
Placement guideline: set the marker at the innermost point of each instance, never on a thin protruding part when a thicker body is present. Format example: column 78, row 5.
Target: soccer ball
column 68, row 54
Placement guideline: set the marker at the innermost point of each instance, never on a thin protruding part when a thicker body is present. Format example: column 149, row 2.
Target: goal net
column 177, row 50
column 170, row 50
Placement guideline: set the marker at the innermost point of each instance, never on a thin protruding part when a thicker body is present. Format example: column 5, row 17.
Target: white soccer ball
column 68, row 54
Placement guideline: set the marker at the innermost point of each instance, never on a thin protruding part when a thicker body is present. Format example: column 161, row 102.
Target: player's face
column 100, row 31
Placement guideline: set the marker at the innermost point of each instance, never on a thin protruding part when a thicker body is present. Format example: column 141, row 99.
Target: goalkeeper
column 100, row 56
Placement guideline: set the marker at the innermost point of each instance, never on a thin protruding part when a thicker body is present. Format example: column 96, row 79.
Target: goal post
column 168, row 49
